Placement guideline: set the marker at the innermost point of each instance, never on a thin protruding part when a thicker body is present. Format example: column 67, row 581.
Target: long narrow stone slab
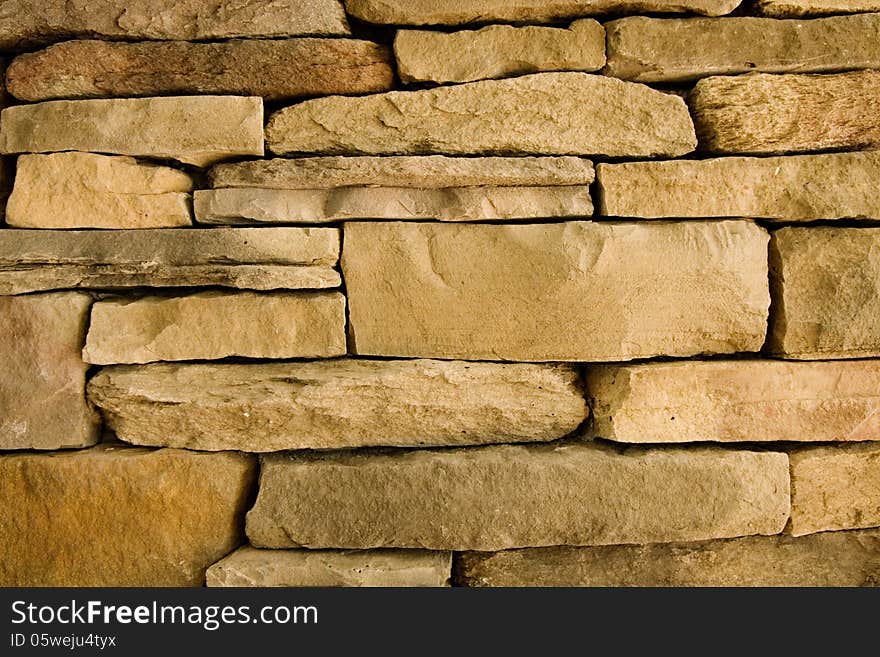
column 42, row 390
column 259, row 206
column 793, row 188
column 492, row 498
column 85, row 190
column 273, row 69
column 540, row 114
column 682, row 49
column 253, row 325
column 825, row 284
column 248, row 258
column 761, row 113
column 736, row 401
column 196, row 130
column 577, row 291
column 835, row 488
column 831, row 559
column 251, row 567
column 783, row 8
column 111, row 516
column 338, row 404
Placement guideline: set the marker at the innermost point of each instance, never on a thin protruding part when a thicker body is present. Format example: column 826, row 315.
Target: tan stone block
column 782, row 8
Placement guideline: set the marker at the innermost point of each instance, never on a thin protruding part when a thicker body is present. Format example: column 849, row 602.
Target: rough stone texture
column 541, row 114
column 421, row 171
column 250, row 567
column 762, row 113
column 835, row 488
column 491, row 498
column 458, row 12
column 292, row 325
column 793, row 188
column 577, row 291
column 112, row 516
column 275, row 70
column 783, row 8
column 42, row 391
column 736, row 401
column 196, row 130
column 250, row 258
column 246, row 206
column 29, row 22
column 498, row 51
column 826, row 291
column 338, row 403
column 834, row 559
column 85, row 190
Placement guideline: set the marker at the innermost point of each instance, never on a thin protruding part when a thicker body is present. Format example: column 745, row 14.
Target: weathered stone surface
column 251, row 567
column 577, row 291
column 246, row 206
column 762, row 113
column 111, row 516
column 458, row 12
column 680, row 49
column 85, row 190
column 196, row 130
column 291, row 325
column 491, row 498
column 835, row 488
column 782, row 8
column 541, row 114
column 249, row 258
column 338, row 403
column 422, row 171
column 833, row 559
column 498, row 51
column 42, row 391
column 826, row 291
column 736, row 401
column 28, row 22
column 275, row 70
column 793, row 188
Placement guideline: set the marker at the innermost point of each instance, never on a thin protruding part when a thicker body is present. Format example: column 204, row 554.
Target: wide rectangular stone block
column 197, row 130
column 42, row 390
column 111, row 516
column 831, row 559
column 736, row 401
column 835, row 488
column 782, row 8
column 577, row 291
column 540, row 114
column 248, row 566
column 249, row 258
column 492, row 498
column 792, row 188
column 338, row 403
column 251, row 325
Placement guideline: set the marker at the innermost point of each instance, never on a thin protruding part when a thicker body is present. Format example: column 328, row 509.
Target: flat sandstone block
column 492, row 498
column 197, row 130
column 736, row 401
column 498, row 51
column 783, row 8
column 42, row 392
column 577, row 291
column 85, row 190
column 835, row 488
column 792, row 188
column 541, row 114
column 212, row 325
column 832, row 559
column 251, row 567
column 338, row 403
column 248, row 258
column 273, row 69
column 111, row 516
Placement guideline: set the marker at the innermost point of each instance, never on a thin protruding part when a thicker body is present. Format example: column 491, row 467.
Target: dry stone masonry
column 440, row 293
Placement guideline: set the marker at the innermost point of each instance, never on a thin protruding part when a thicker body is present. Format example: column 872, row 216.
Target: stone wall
column 431, row 292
